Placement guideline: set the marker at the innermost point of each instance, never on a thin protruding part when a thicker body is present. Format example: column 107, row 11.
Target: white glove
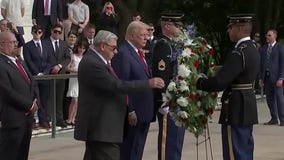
column 201, row 75
column 164, row 110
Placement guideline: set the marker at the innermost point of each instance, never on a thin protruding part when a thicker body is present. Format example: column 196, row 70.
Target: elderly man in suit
column 47, row 13
column 60, row 58
column 39, row 63
column 102, row 107
column 18, row 102
column 272, row 75
column 129, row 64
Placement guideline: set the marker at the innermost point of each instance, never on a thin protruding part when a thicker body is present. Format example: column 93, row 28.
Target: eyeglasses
column 37, row 32
column 57, row 32
column 113, row 47
column 269, row 35
column 151, row 29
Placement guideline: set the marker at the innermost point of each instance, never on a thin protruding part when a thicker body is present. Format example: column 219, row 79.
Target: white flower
column 183, row 71
column 186, row 52
column 183, row 86
column 188, row 42
column 198, row 103
column 208, row 46
column 172, row 86
column 183, row 114
column 182, row 101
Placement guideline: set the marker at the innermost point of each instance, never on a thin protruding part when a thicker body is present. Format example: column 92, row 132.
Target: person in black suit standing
column 151, row 41
column 272, row 75
column 39, row 63
column 60, row 58
column 18, row 102
column 47, row 13
column 102, row 110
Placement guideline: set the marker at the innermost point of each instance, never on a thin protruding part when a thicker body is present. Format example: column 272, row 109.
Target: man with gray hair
column 102, row 101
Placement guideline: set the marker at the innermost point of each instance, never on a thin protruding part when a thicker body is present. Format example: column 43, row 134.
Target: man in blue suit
column 39, row 63
column 272, row 75
column 129, row 64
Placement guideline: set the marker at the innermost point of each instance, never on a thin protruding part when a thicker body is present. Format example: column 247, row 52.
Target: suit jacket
column 16, row 94
column 128, row 66
column 55, row 11
column 102, row 101
column 276, row 63
column 63, row 55
column 150, row 47
column 36, row 62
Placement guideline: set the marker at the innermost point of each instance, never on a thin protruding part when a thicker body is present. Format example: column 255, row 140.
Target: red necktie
column 114, row 74
column 111, row 70
column 22, row 70
column 141, row 56
column 46, row 5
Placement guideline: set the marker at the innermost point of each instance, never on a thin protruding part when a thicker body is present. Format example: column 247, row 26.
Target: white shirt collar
column 105, row 61
column 242, row 40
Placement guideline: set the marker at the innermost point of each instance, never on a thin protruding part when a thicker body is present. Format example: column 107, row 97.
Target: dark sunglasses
column 150, row 29
column 37, row 32
column 56, row 31
column 113, row 47
column 109, row 8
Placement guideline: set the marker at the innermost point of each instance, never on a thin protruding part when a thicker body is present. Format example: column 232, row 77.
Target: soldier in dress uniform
column 164, row 61
column 239, row 110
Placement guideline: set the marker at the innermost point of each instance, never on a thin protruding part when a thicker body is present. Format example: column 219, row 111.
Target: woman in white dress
column 73, row 89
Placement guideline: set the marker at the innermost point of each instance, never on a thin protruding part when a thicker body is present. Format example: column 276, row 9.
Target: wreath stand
column 207, row 139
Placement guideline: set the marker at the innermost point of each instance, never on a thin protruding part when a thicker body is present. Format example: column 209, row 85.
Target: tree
column 210, row 16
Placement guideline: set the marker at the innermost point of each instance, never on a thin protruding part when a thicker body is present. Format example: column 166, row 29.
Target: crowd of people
column 118, row 92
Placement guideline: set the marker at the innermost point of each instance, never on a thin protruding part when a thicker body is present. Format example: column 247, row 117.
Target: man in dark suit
column 47, row 13
column 151, row 41
column 18, row 102
column 102, row 110
column 129, row 64
column 60, row 58
column 164, row 61
column 39, row 63
column 237, row 75
column 272, row 75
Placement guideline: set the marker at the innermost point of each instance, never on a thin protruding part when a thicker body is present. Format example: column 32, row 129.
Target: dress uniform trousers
column 238, row 143
column 170, row 138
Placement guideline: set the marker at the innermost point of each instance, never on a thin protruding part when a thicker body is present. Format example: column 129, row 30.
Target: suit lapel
column 137, row 58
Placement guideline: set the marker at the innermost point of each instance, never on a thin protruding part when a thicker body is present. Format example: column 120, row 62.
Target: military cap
column 240, row 18
column 172, row 17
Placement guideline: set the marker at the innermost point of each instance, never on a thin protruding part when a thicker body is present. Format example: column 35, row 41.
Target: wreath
column 189, row 107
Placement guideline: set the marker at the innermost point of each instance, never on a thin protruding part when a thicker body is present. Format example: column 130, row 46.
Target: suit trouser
column 60, row 87
column 133, row 146
column 45, row 94
column 274, row 98
column 101, row 151
column 15, row 142
column 170, row 143
column 237, row 142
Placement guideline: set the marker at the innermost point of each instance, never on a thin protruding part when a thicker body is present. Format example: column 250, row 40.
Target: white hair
column 104, row 36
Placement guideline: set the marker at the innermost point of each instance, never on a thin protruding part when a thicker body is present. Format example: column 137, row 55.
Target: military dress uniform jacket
column 236, row 76
column 162, row 66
